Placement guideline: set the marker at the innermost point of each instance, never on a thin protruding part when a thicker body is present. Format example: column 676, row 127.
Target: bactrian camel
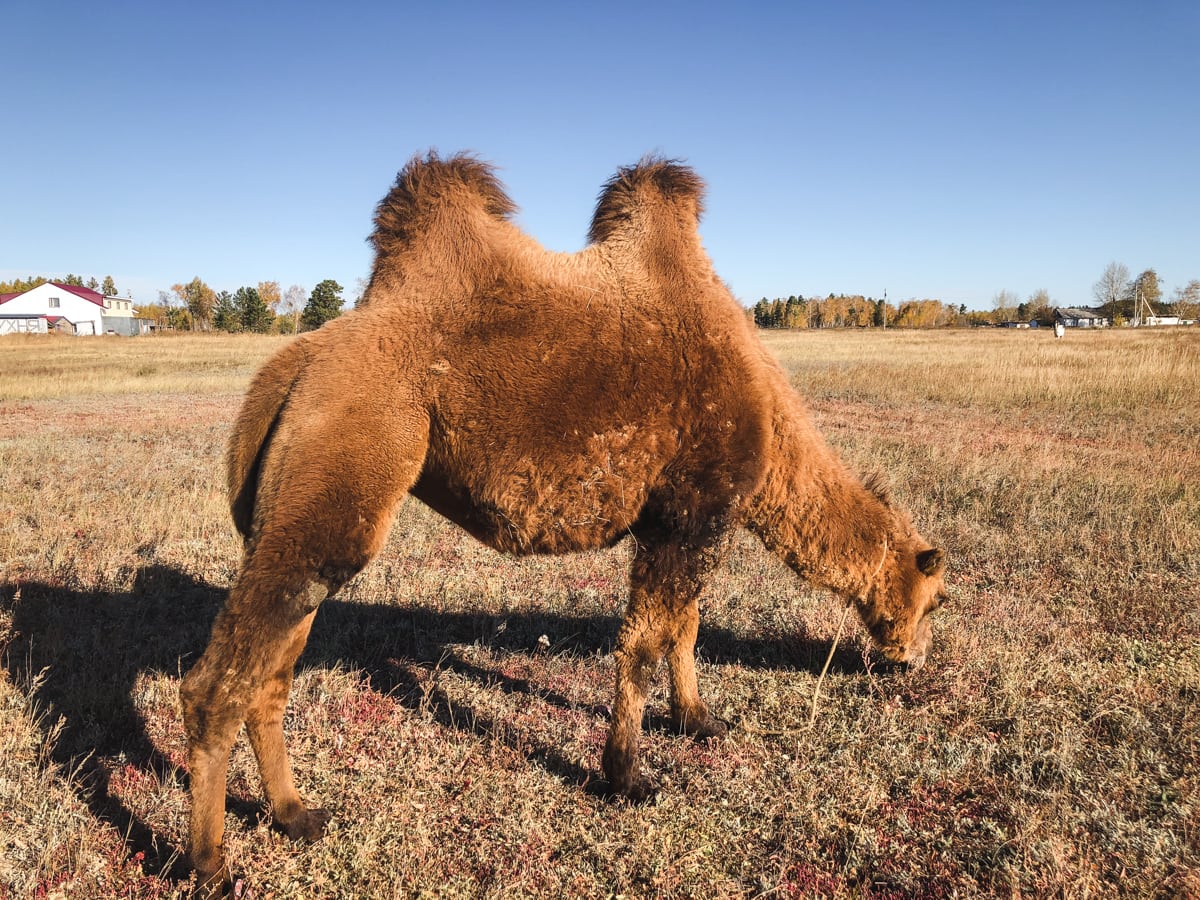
column 546, row 403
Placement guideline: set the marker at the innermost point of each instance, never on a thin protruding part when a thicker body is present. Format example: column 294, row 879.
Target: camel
column 546, row 403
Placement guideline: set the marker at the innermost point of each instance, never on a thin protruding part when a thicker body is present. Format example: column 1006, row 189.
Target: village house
column 1072, row 317
column 68, row 309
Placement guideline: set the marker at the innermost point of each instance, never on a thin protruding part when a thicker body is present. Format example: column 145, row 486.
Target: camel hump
column 431, row 184
column 636, row 190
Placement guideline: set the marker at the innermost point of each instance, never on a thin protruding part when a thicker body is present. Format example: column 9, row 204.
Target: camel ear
column 930, row 562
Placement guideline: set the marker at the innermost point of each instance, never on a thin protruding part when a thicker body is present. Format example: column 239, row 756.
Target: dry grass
column 1050, row 748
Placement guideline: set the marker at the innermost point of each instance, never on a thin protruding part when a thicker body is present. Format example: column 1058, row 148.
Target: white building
column 66, row 308
column 1081, row 318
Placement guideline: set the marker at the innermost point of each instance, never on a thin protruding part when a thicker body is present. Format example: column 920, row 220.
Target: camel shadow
column 83, row 651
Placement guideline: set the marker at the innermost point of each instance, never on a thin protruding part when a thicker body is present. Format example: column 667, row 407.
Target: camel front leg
column 245, row 651
column 264, row 727
column 637, row 655
column 208, row 762
column 662, row 619
column 245, row 675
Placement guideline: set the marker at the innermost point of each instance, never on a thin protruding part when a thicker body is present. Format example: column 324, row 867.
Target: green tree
column 253, row 311
column 110, row 286
column 795, row 313
column 324, row 303
column 762, row 312
column 226, row 316
column 1146, row 287
column 879, row 315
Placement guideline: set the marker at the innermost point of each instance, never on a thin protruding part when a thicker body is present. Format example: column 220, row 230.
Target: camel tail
column 431, row 184
column 255, row 423
column 636, row 191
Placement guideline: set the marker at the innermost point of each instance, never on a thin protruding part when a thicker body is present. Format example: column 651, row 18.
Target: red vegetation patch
column 366, row 710
column 939, row 838
column 807, row 880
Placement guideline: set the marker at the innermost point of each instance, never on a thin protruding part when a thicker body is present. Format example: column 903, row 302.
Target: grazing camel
column 546, row 403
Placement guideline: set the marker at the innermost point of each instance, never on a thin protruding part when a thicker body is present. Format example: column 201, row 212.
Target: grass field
column 1050, row 747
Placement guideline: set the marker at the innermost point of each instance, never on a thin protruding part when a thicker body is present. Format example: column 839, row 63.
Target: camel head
column 897, row 603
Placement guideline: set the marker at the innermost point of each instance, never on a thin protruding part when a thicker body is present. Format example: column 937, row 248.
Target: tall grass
column 52, row 367
column 1143, row 378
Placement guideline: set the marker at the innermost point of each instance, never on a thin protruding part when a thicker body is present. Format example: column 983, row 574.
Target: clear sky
column 943, row 150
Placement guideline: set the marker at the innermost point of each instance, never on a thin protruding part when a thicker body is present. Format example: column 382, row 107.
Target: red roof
column 86, row 293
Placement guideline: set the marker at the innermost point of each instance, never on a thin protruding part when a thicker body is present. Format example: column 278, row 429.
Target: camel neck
column 816, row 515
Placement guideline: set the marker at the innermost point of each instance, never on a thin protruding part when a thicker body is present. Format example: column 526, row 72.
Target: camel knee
column 199, row 699
column 636, row 665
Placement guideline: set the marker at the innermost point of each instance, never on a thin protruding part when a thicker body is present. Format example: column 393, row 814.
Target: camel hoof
column 214, row 886
column 639, row 790
column 308, row 828
column 707, row 728
column 711, row 729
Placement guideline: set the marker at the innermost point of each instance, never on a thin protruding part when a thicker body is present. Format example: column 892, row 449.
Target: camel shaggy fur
column 546, row 403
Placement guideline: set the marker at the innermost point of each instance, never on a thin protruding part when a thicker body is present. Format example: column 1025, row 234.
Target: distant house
column 1072, row 317
column 44, row 308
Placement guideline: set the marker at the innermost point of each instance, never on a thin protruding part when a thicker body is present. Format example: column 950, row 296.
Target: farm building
column 69, row 309
column 1081, row 318
column 1162, row 320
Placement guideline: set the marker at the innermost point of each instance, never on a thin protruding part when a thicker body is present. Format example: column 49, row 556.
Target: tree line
column 856, row 311
column 1120, row 297
column 261, row 309
column 108, row 287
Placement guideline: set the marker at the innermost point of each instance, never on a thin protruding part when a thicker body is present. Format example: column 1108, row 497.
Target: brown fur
column 546, row 403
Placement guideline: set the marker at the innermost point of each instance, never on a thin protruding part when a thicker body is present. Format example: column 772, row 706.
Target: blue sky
column 945, row 150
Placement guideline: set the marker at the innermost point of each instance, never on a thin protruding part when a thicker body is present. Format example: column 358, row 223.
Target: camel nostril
column 896, row 653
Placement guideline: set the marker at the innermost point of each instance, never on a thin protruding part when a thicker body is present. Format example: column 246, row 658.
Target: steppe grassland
column 1050, row 747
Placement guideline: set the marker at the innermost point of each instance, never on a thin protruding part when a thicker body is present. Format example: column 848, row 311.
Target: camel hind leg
column 315, row 532
column 689, row 714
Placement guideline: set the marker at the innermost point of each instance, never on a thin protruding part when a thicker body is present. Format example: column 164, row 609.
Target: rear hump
column 653, row 186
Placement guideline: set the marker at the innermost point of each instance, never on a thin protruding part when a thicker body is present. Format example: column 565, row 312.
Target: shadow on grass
column 85, row 650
